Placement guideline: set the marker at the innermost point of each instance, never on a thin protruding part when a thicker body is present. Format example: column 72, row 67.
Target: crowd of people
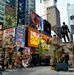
column 58, row 53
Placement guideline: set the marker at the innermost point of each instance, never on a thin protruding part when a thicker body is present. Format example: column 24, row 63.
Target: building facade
column 2, row 10
column 54, row 19
column 11, row 2
column 23, row 10
column 70, row 10
column 32, row 5
column 44, row 4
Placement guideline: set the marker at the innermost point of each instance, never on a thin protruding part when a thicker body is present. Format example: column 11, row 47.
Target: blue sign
column 20, row 38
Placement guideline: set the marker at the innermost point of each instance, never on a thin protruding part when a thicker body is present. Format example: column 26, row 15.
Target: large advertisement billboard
column 21, row 12
column 19, row 38
column 9, row 17
column 47, row 27
column 7, row 33
column 34, row 37
column 34, row 18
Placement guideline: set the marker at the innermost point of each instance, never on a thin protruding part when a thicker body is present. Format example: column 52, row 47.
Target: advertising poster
column 9, row 17
column 19, row 38
column 42, row 24
column 7, row 33
column 34, row 18
column 27, row 51
column 34, row 37
column 47, row 27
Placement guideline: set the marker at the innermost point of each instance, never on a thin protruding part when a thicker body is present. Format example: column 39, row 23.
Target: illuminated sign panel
column 9, row 17
column 34, row 37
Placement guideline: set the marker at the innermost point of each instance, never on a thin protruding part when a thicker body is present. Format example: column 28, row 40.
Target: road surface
column 39, row 70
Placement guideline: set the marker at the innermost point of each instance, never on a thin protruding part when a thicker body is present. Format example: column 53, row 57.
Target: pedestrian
column 9, row 52
column 64, row 32
column 70, row 46
column 53, row 51
column 60, row 51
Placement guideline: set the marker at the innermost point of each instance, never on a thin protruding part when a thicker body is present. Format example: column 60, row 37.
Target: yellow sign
column 34, row 40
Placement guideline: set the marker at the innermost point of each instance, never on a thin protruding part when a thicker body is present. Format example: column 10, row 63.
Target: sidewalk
column 42, row 70
column 46, row 70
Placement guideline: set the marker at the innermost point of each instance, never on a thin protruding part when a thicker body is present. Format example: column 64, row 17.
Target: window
column 72, row 17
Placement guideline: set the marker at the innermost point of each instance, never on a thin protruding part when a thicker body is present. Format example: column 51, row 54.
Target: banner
column 9, row 17
column 27, row 50
column 19, row 38
column 34, row 37
column 34, row 18
column 7, row 33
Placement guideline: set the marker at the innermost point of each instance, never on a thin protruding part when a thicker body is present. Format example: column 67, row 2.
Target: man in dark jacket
column 64, row 31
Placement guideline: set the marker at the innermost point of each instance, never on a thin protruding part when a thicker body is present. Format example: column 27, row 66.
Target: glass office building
column 70, row 10
column 23, row 10
column 32, row 5
column 11, row 2
column 2, row 10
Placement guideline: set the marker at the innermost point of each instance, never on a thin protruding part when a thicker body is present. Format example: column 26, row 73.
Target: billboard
column 21, row 12
column 27, row 50
column 42, row 24
column 19, row 38
column 34, row 37
column 7, row 33
column 1, row 34
column 9, row 17
column 34, row 18
column 47, row 27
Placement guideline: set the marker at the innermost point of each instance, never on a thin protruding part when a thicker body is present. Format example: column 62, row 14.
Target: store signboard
column 34, row 37
column 20, row 38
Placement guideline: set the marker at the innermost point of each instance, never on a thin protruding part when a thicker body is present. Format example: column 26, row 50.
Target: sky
column 62, row 7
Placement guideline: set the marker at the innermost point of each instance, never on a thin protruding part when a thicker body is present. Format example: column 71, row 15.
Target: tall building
column 11, row 3
column 44, row 4
column 2, row 10
column 54, row 19
column 70, row 10
column 32, row 5
column 23, row 10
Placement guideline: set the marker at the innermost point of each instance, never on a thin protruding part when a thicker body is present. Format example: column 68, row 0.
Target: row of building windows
column 72, row 17
column 2, row 3
column 1, row 18
column 1, row 13
column 1, row 8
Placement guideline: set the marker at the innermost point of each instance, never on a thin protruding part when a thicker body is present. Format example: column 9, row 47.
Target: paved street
column 43, row 70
